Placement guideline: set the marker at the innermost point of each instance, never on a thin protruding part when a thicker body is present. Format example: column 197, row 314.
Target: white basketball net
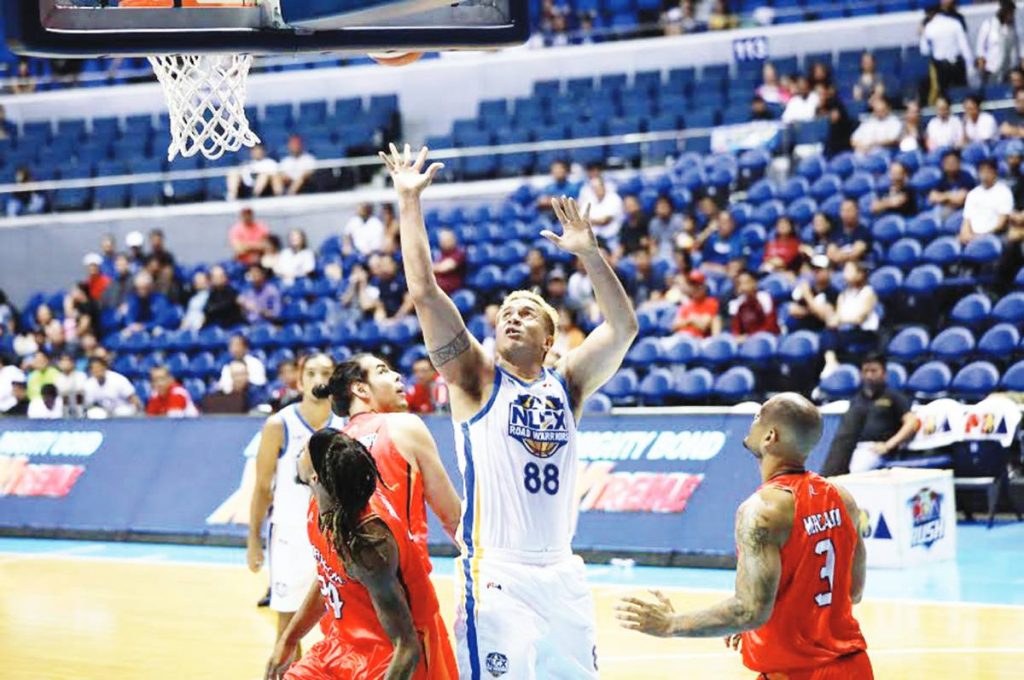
column 206, row 102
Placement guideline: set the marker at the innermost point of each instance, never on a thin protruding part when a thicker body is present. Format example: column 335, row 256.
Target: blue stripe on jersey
column 469, row 492
column 295, row 410
column 490, row 402
column 284, row 442
column 565, row 386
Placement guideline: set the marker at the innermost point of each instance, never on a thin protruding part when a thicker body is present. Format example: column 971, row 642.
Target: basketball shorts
column 329, row 659
column 292, row 567
column 855, row 666
column 523, row 621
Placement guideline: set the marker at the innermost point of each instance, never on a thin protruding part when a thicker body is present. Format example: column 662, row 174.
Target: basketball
column 395, row 58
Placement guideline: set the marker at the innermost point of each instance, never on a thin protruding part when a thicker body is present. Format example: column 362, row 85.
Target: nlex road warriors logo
column 497, row 664
column 926, row 513
column 538, row 423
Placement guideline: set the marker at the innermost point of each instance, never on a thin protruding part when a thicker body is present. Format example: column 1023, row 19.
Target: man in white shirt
column 254, row 177
column 979, row 126
column 944, row 40
column 47, row 406
column 881, row 129
column 9, row 375
column 108, row 393
column 238, row 348
column 945, row 129
column 802, row 106
column 364, row 233
column 988, row 205
column 70, row 386
column 606, row 212
column 297, row 167
column 998, row 46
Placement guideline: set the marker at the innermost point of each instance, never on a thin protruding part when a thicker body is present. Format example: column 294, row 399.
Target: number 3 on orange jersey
column 825, row 547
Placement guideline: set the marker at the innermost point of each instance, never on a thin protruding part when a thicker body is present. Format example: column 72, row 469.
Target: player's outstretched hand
column 284, row 655
column 653, row 618
column 577, row 233
column 406, row 172
column 734, row 641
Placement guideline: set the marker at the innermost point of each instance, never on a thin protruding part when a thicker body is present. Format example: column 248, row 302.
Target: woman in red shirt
column 783, row 252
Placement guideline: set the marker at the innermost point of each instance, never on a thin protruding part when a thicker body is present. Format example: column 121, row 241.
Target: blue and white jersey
column 519, row 466
column 291, row 499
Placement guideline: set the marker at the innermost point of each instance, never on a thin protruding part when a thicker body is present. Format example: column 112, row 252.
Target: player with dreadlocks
column 384, row 619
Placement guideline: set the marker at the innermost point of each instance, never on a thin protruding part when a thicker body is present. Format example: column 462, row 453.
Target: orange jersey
column 812, row 623
column 356, row 646
column 405, row 486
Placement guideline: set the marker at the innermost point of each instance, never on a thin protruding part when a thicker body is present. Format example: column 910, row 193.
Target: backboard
column 90, row 28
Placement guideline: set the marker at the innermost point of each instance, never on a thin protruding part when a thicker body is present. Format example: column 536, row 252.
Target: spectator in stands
column 900, row 199
column 248, row 237
column 645, row 285
column 108, row 393
column 979, row 126
column 24, row 202
column 814, row 301
column 840, row 125
column 165, row 280
column 1013, row 124
column 222, row 309
column 998, row 46
column 145, row 309
column 770, row 90
column 134, row 240
column 47, row 406
column 568, row 337
column 392, row 294
column 852, row 241
column 261, row 300
column 55, row 339
column 158, row 248
column 24, row 82
column 721, row 17
column 680, row 18
column 855, row 323
column 240, row 397
column 87, row 346
column 945, row 129
column 297, row 261
column 910, row 132
column 557, row 34
column 364, row 233
column 580, row 292
column 881, row 130
column 607, row 212
column 820, row 74
column 195, row 316
column 7, row 315
column 759, row 110
column 43, row 373
column 254, row 177
column 1013, row 154
column 7, row 128
column 428, row 393
column 952, row 189
column 752, row 311
column 357, row 294
column 81, row 313
column 19, row 401
column 450, row 265
column 537, row 265
column 392, row 237
column 256, row 372
column 944, row 41
column 869, row 81
column 803, row 105
column 271, row 252
column 95, row 279
column 721, row 244
column 585, row 33
column 698, row 316
column 560, row 185
column 285, row 390
column 108, row 251
column 169, row 398
column 988, row 205
column 635, row 232
column 1012, row 257
column 782, row 252
column 297, row 168
column 71, row 385
column 877, row 423
column 664, row 228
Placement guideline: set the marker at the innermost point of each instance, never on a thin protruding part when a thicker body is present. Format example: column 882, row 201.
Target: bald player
column 800, row 564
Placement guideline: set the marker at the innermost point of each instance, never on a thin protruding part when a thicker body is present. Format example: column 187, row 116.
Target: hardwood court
column 76, row 618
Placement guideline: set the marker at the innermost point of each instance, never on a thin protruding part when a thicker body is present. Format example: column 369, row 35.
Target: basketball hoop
column 206, row 102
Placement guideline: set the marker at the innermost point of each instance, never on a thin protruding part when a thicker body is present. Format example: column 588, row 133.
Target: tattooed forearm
column 725, row 618
column 458, row 346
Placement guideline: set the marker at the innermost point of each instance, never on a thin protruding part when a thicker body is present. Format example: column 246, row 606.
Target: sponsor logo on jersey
column 368, row 440
column 497, row 664
column 926, row 514
column 539, row 423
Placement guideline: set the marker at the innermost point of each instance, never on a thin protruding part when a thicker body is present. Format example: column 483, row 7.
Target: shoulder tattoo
column 443, row 355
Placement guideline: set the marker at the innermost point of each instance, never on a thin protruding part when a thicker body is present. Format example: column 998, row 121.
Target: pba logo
column 539, row 423
column 497, row 664
column 926, row 513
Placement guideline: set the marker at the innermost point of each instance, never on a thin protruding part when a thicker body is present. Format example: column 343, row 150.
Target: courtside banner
column 647, row 483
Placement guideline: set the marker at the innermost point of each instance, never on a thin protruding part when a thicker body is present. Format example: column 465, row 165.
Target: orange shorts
column 331, row 660
column 856, row 666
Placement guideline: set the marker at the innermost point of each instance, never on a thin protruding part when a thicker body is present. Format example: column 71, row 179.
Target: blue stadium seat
column 886, row 282
column 682, row 349
column 622, row 387
column 656, row 387
column 1010, row 309
column 923, row 280
column 842, row 383
column 693, row 386
column 975, row 380
column 802, row 210
column 762, row 191
column 465, row 301
column 718, row 350
column 950, row 226
column 826, row 187
column 410, row 357
column 842, row 164
column 895, row 375
column 801, row 346
column 909, row 345
column 203, row 366
column 999, row 342
column 645, row 352
column 858, row 185
column 768, row 212
column 943, row 251
column 972, row 310
column 904, row 253
column 735, row 385
column 597, row 404
column 759, row 350
column 925, row 179
column 811, row 168
column 983, row 250
column 1013, row 379
column 930, row 380
column 888, row 229
column 794, row 188
column 779, row 286
column 952, row 345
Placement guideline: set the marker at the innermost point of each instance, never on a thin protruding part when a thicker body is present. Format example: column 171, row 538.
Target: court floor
column 84, row 610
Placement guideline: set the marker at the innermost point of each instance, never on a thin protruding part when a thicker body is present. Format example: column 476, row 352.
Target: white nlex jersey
column 291, row 499
column 519, row 465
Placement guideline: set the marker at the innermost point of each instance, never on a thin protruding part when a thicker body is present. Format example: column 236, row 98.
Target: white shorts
column 292, row 567
column 864, row 458
column 525, row 622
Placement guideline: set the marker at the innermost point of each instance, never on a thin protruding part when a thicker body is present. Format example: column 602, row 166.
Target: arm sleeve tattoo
column 458, row 345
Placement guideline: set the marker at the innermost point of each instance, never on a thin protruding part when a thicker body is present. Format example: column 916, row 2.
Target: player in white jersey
column 525, row 610
column 285, row 434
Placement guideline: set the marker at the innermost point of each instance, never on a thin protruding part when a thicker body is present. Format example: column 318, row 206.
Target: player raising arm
column 801, row 564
